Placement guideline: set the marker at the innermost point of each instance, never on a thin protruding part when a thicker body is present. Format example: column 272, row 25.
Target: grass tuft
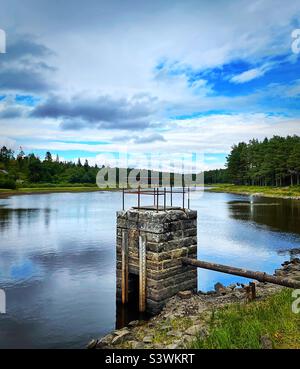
column 242, row 326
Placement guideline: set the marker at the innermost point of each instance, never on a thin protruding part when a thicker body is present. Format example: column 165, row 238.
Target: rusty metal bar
column 123, row 199
column 124, row 267
column 259, row 276
column 253, row 290
column 142, row 273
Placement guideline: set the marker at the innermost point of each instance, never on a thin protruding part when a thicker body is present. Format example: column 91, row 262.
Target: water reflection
column 57, row 259
column 278, row 214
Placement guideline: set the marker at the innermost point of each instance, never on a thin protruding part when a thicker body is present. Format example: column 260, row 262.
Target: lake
column 57, row 258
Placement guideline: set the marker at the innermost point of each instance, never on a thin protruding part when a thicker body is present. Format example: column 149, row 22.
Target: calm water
column 57, row 258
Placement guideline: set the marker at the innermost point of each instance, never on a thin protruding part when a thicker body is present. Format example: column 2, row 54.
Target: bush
column 7, row 183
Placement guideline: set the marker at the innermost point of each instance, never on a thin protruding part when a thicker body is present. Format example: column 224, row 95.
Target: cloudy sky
column 87, row 79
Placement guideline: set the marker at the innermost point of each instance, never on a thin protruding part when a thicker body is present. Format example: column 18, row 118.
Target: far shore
column 46, row 190
column 290, row 192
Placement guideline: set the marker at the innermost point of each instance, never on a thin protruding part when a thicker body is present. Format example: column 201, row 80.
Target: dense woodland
column 274, row 162
column 26, row 170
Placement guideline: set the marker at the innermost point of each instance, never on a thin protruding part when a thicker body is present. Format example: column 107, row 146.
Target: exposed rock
column 266, row 343
column 194, row 330
column 136, row 345
column 148, row 339
column 92, row 344
column 120, row 336
column 172, row 346
column 195, row 315
column 219, row 286
column 134, row 323
column 185, row 294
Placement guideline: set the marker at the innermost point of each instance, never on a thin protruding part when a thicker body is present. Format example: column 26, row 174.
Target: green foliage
column 7, row 183
column 216, row 176
column 242, row 326
column 272, row 162
column 29, row 170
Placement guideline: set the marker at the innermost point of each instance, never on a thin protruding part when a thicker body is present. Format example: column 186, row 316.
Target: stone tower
column 150, row 245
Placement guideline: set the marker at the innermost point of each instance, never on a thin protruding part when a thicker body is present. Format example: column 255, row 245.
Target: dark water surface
column 57, row 258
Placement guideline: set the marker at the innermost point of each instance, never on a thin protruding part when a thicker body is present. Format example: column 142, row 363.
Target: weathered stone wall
column 170, row 236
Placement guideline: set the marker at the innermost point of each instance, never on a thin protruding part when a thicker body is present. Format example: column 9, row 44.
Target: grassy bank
column 49, row 189
column 243, row 326
column 284, row 192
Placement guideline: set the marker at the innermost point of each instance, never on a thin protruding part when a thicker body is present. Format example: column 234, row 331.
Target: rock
column 232, row 286
column 166, row 327
column 185, row 294
column 119, row 332
column 193, row 330
column 105, row 341
column 174, row 334
column 187, row 339
column 134, row 323
column 92, row 344
column 137, row 345
column 173, row 346
column 120, row 337
column 266, row 343
column 197, row 331
column 148, row 339
column 219, row 288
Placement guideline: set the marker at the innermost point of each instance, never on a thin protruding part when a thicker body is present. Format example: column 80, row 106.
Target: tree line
column 273, row 162
column 30, row 169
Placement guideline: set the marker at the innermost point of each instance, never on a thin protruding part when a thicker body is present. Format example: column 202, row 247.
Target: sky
column 90, row 79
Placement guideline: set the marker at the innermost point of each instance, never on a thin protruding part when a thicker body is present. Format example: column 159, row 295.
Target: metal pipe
column 142, row 273
column 165, row 199
column 259, row 276
column 171, row 196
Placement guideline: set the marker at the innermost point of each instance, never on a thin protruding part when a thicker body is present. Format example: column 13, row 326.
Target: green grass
column 48, row 189
column 290, row 191
column 242, row 326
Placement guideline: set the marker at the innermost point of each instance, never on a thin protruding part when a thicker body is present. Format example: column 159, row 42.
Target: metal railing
column 157, row 193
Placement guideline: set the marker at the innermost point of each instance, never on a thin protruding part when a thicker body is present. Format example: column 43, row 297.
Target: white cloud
column 253, row 73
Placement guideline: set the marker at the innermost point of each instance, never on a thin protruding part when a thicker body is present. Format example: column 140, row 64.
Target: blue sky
column 168, row 77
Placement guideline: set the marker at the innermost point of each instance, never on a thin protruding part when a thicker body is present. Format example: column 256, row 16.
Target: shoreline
column 40, row 191
column 184, row 320
column 271, row 192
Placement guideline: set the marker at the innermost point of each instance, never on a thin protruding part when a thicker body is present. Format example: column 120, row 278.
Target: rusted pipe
column 259, row 276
